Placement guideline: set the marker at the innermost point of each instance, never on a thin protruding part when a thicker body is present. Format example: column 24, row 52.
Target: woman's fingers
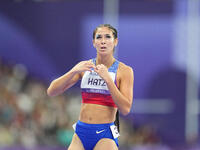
column 89, row 64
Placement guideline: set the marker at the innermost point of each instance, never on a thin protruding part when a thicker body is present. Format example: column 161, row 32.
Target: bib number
column 114, row 131
column 74, row 126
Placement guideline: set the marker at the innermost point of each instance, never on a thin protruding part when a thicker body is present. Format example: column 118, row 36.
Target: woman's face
column 104, row 41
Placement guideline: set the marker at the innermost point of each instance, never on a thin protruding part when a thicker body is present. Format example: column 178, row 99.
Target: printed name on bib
column 91, row 80
column 100, row 82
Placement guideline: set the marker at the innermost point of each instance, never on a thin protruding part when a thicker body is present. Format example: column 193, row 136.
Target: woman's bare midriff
column 97, row 114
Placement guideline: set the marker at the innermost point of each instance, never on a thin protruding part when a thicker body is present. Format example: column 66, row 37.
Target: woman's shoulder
column 124, row 71
column 125, row 68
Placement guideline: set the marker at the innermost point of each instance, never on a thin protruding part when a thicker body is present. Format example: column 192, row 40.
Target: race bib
column 74, row 126
column 114, row 131
column 94, row 83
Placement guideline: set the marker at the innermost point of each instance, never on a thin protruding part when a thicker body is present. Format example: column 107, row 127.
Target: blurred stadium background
column 42, row 39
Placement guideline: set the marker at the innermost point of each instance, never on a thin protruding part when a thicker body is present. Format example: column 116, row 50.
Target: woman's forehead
column 103, row 30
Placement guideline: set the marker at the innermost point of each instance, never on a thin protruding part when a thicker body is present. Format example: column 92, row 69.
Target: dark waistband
column 94, row 125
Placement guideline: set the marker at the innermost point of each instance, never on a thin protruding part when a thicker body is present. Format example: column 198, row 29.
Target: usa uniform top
column 94, row 89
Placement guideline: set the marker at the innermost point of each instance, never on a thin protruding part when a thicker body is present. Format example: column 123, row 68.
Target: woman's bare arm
column 59, row 85
column 123, row 96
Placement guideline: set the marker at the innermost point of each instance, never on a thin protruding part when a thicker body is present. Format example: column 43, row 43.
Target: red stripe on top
column 97, row 98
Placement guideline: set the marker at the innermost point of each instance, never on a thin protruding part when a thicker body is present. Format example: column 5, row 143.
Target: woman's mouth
column 103, row 48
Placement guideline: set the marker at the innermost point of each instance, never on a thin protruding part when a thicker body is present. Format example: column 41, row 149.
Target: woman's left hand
column 102, row 71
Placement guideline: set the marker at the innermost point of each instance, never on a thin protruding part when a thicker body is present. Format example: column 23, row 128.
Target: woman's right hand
column 67, row 80
column 83, row 66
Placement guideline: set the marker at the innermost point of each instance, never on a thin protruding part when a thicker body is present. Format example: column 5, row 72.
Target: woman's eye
column 108, row 36
column 98, row 37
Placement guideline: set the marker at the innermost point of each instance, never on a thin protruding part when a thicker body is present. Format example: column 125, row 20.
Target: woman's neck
column 105, row 60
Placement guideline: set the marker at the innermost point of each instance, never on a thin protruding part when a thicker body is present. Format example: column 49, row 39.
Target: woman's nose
column 103, row 41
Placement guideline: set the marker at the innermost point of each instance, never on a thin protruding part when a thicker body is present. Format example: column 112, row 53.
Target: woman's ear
column 93, row 44
column 116, row 42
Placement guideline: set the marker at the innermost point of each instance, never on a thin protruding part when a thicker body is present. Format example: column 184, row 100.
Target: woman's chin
column 103, row 52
